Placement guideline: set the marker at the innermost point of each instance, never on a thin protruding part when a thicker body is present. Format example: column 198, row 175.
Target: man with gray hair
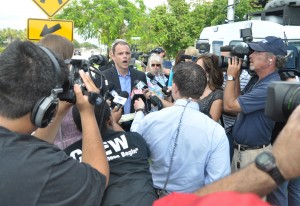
column 253, row 129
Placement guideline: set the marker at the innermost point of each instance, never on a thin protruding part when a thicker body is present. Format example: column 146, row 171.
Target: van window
column 216, row 47
column 296, row 44
column 238, row 43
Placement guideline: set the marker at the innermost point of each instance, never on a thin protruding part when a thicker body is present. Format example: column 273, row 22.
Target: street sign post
column 51, row 7
column 38, row 28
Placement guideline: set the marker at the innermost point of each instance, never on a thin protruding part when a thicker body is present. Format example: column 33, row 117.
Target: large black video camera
column 241, row 50
column 282, row 99
column 74, row 78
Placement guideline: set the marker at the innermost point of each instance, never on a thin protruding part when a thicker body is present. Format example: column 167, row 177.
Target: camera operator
column 252, row 130
column 67, row 133
column 33, row 170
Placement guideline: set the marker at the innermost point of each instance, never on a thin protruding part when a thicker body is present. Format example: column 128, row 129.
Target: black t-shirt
column 34, row 172
column 130, row 182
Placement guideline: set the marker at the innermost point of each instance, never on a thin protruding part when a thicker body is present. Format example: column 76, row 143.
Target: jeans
column 287, row 194
column 294, row 192
column 279, row 196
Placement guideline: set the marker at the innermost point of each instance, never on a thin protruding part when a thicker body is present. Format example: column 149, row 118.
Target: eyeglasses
column 157, row 65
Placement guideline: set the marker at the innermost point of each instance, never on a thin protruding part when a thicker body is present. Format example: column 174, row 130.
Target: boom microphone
column 153, row 81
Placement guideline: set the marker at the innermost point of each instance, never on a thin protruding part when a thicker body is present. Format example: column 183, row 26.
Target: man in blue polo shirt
column 252, row 130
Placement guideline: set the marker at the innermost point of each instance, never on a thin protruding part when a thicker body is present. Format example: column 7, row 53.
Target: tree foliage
column 8, row 35
column 174, row 26
column 105, row 20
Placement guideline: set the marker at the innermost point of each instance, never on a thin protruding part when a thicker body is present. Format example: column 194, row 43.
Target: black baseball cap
column 158, row 50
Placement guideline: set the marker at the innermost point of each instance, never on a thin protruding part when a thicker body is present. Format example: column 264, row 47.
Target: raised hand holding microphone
column 154, row 81
column 121, row 99
column 138, row 90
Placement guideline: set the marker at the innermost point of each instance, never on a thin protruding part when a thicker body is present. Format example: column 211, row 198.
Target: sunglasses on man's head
column 157, row 65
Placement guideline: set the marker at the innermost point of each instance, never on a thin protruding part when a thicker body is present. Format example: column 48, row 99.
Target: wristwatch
column 139, row 109
column 265, row 161
column 230, row 78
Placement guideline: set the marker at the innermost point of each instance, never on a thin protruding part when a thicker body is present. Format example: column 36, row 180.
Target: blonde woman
column 154, row 66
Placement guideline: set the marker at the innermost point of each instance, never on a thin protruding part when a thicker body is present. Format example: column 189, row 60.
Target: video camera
column 282, row 97
column 241, row 51
column 74, row 78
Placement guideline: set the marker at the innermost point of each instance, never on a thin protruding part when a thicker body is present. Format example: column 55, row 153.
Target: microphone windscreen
column 124, row 94
column 150, row 76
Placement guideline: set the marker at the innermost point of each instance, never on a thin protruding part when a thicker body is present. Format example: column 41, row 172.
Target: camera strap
column 174, row 146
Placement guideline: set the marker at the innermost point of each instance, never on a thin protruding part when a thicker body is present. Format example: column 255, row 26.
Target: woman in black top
column 211, row 102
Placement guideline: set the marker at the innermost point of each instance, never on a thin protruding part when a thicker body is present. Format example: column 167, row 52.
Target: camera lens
column 291, row 100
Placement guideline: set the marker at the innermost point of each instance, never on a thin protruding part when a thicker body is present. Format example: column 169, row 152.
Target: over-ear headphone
column 45, row 109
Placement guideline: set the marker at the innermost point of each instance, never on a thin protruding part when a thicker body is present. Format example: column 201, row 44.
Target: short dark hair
column 102, row 114
column 190, row 79
column 26, row 75
column 118, row 42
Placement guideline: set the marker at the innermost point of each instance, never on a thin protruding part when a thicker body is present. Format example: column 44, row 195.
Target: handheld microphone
column 110, row 93
column 137, row 91
column 109, row 88
column 156, row 102
column 121, row 99
column 153, row 81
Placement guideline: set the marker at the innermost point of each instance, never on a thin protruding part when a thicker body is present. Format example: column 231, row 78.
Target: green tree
column 7, row 35
column 76, row 44
column 88, row 45
column 173, row 27
column 105, row 20
column 178, row 25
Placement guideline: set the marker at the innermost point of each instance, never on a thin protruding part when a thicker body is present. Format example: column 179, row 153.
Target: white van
column 213, row 37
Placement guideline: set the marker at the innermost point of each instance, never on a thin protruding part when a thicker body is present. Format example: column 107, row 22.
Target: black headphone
column 45, row 109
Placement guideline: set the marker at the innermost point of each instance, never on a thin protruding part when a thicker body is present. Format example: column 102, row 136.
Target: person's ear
column 174, row 88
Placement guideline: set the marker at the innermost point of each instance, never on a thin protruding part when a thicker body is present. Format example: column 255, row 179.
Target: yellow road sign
column 38, row 28
column 51, row 7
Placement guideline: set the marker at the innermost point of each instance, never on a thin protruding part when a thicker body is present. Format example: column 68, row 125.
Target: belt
column 246, row 147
